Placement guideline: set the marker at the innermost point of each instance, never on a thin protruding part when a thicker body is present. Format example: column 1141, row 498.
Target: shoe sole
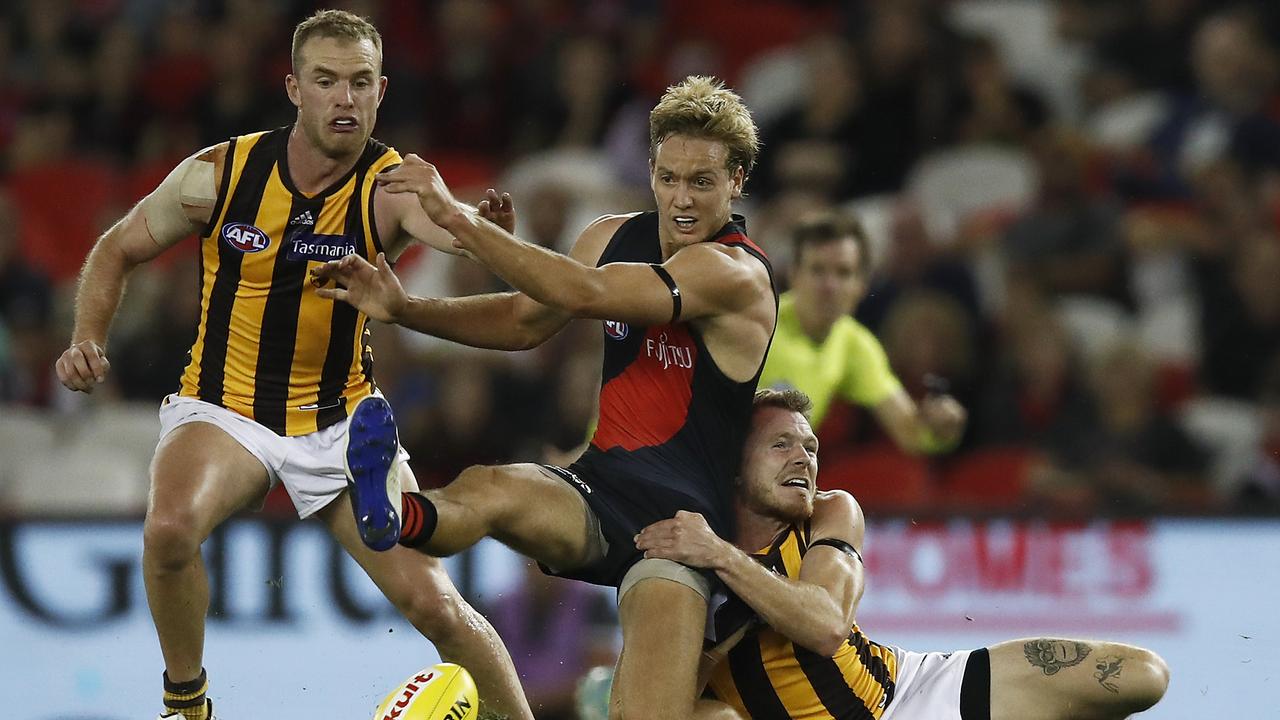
column 372, row 446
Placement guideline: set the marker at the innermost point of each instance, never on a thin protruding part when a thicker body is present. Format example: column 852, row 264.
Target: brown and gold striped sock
column 187, row 698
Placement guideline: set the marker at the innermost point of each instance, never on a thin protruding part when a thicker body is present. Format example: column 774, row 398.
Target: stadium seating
column 773, row 83
column 1124, row 125
column 882, row 478
column 1231, row 430
column 987, row 480
column 875, row 212
column 952, row 186
column 1095, row 324
column 58, row 228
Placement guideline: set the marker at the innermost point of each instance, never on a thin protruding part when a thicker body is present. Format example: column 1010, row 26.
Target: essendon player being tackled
column 689, row 307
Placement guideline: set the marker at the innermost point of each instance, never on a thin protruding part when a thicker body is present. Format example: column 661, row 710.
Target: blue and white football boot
column 373, row 473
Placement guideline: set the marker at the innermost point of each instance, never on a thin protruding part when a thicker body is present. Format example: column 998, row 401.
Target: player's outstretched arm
column 815, row 611
column 499, row 321
column 178, row 207
column 712, row 279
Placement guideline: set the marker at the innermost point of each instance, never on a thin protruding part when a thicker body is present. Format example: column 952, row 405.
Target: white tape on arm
column 198, row 188
column 180, row 202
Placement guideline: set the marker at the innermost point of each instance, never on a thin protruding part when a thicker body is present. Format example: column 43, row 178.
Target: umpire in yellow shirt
column 820, row 349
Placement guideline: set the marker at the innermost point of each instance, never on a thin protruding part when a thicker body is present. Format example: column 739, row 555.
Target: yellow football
column 440, row 692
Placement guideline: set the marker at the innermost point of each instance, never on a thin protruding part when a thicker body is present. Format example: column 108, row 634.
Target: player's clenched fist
column 83, row 365
column 420, row 177
column 685, row 538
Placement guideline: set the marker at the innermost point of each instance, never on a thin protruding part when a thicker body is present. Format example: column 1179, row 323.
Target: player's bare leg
column 525, row 506
column 1057, row 679
column 662, row 627
column 200, row 476
column 421, row 590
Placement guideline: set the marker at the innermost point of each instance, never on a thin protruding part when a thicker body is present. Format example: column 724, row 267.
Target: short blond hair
column 784, row 399
column 702, row 107
column 334, row 24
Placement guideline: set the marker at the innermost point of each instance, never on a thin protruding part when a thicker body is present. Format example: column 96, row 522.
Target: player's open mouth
column 797, row 482
column 343, row 124
column 684, row 222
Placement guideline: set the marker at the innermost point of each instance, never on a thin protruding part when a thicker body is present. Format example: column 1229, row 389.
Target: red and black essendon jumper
column 671, row 423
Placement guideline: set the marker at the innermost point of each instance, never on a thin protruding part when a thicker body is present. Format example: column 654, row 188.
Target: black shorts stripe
column 830, row 686
column 975, row 688
column 752, row 681
column 243, row 207
column 874, row 665
column 342, row 327
column 280, row 327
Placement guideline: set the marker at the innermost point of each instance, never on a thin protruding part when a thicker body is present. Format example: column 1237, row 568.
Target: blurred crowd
column 1073, row 206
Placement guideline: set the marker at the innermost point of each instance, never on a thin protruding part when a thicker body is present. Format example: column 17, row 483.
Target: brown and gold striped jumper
column 767, row 677
column 268, row 347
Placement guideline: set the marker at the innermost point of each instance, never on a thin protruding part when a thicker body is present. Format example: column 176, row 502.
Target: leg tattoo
column 1108, row 668
column 1053, row 655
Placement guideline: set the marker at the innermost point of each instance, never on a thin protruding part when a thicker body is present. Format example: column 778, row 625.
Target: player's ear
column 736, row 180
column 291, row 89
column 382, row 88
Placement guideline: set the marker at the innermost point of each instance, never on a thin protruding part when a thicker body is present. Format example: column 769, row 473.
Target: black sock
column 418, row 519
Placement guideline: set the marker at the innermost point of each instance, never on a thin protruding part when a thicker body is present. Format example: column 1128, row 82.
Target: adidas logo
column 303, row 219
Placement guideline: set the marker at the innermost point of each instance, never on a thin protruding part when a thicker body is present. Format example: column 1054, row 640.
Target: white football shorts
column 927, row 686
column 311, row 466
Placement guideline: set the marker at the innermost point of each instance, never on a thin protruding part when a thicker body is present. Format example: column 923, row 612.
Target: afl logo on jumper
column 245, row 237
column 616, row 330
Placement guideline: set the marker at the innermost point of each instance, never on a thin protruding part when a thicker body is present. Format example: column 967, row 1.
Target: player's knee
column 489, row 490
column 1149, row 678
column 644, row 696
column 475, row 484
column 170, row 541
column 439, row 614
